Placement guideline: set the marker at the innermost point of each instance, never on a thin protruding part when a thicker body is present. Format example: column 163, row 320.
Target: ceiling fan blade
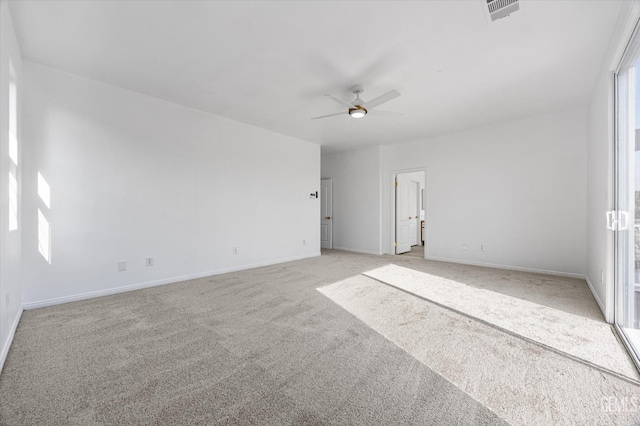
column 381, row 99
column 387, row 113
column 340, row 101
column 330, row 115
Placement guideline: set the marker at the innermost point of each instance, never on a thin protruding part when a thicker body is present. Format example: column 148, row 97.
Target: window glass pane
column 627, row 197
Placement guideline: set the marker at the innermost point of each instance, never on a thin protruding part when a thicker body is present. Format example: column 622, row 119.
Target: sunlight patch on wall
column 44, row 227
column 44, row 237
column 13, row 149
column 44, row 191
column 13, row 202
column 13, row 122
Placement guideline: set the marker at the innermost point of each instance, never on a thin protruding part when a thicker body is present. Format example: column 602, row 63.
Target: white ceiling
column 269, row 63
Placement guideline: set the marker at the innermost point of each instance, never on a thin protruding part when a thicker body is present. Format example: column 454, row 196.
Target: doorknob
column 410, row 217
column 328, row 217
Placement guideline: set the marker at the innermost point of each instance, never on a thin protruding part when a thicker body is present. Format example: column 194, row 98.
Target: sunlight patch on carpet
column 586, row 339
column 521, row 382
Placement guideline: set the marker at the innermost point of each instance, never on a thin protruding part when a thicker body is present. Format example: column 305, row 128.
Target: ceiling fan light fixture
column 357, row 112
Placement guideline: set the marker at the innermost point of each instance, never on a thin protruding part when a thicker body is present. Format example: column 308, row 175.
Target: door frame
column 631, row 30
column 330, row 220
column 392, row 196
column 610, row 265
column 613, row 255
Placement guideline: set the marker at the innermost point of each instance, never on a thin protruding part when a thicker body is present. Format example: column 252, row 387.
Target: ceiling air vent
column 501, row 8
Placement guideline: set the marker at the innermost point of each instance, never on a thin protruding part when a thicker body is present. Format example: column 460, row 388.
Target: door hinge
column 395, row 244
column 617, row 220
column 396, row 183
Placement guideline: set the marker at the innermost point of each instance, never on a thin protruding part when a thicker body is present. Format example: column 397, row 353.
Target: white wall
column 356, row 199
column 517, row 188
column 600, row 162
column 132, row 176
column 10, row 241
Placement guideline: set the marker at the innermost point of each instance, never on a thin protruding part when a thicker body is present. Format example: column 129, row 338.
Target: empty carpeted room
column 319, row 212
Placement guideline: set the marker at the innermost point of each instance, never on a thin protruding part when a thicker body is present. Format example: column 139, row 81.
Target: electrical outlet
column 7, row 299
column 149, row 261
column 464, row 247
column 304, row 242
column 482, row 247
column 235, row 250
column 122, row 266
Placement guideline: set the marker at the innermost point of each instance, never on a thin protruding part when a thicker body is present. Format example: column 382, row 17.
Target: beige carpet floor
column 261, row 346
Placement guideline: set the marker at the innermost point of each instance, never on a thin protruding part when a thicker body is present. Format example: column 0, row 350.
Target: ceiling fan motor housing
column 358, row 111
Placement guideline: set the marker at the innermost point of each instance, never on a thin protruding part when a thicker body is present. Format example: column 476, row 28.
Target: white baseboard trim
column 172, row 280
column 598, row 301
column 508, row 267
column 12, row 333
column 357, row 250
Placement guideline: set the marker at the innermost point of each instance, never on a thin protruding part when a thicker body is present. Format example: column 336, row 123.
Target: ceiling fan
column 359, row 108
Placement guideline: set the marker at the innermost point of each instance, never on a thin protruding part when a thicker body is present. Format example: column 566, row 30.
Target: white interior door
column 403, row 217
column 414, row 187
column 326, row 213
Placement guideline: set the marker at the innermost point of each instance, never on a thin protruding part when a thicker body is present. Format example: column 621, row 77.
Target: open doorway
column 409, row 224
